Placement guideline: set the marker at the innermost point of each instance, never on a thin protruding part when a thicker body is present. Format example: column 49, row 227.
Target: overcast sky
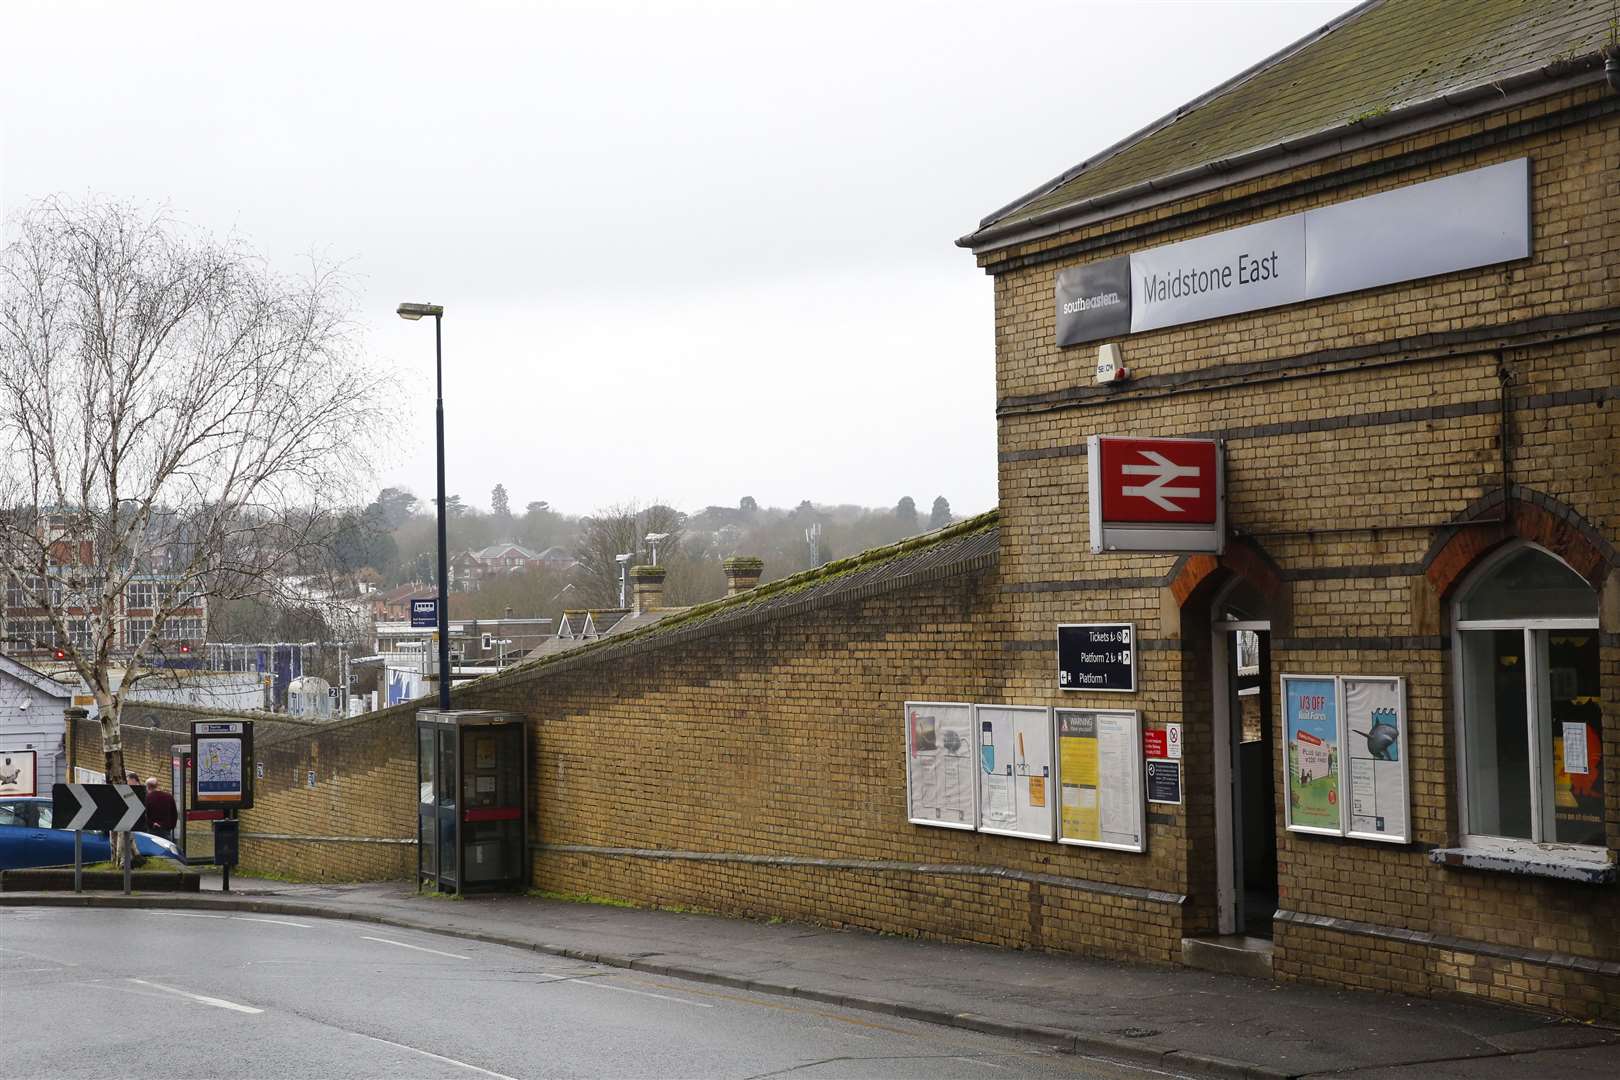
column 688, row 251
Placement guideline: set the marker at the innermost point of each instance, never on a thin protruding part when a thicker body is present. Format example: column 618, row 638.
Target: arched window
column 1530, row 712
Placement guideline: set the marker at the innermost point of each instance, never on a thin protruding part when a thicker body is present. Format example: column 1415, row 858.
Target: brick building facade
column 1398, row 459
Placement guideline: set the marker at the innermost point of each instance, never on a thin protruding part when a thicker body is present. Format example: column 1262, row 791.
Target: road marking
column 188, row 914
column 981, row 1061
column 591, row 982
column 429, row 1053
column 418, row 948
column 218, row 1003
column 278, row 922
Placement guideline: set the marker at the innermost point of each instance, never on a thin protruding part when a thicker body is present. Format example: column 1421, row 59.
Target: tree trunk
column 112, row 746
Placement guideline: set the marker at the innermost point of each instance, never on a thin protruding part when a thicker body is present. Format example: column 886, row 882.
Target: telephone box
column 471, row 821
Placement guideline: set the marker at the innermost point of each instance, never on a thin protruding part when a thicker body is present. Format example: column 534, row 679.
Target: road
column 171, row 995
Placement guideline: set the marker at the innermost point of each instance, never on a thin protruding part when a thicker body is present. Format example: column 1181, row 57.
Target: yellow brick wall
column 1347, row 512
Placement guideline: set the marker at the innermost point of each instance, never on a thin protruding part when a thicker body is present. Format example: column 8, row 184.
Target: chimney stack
column 742, row 573
column 646, row 588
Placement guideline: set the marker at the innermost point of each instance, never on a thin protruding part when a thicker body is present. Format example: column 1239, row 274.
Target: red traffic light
column 59, row 654
column 184, row 647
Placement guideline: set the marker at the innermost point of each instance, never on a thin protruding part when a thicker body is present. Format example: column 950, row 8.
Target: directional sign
column 1156, row 494
column 1097, row 656
column 96, row 807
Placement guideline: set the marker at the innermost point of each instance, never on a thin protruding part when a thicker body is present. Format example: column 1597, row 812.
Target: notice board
column 1016, row 773
column 1100, row 800
column 1374, row 711
column 1346, row 756
column 941, row 760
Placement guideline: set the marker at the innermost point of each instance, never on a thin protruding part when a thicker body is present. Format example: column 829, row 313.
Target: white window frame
column 1535, row 678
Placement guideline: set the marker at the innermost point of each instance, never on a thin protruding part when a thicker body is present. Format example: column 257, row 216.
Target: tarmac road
column 167, row 995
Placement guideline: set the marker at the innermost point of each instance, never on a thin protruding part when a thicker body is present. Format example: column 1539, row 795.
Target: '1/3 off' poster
column 1311, row 731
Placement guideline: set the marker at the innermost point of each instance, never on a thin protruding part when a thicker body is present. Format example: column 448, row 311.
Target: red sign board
column 1170, row 481
column 1154, row 744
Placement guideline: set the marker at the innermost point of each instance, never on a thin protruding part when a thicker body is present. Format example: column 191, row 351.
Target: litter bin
column 472, row 776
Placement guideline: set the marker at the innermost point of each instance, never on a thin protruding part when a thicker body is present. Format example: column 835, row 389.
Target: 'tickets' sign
column 1156, row 494
column 1097, row 656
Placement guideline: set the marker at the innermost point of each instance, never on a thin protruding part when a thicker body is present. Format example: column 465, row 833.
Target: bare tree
column 178, row 425
column 616, row 530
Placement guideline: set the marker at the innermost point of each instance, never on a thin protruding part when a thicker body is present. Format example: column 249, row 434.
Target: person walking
column 161, row 813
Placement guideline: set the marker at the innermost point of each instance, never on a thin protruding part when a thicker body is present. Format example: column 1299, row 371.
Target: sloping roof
column 959, row 548
column 1383, row 57
column 501, row 551
column 38, row 680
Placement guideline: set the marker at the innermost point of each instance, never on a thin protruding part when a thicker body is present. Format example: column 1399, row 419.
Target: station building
column 1379, row 268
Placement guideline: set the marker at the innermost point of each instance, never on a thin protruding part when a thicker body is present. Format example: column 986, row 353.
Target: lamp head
column 416, row 311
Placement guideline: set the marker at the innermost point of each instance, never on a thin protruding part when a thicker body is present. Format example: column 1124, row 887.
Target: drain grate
column 1134, row 1032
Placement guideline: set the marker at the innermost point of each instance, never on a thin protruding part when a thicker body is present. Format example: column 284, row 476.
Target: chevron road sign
column 96, row 807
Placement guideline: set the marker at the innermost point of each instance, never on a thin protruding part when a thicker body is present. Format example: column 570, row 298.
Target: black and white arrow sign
column 96, row 807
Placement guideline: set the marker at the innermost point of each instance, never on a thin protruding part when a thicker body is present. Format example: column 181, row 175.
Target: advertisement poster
column 940, row 761
column 1314, row 753
column 1100, row 779
column 1375, row 738
column 18, row 773
column 1014, row 744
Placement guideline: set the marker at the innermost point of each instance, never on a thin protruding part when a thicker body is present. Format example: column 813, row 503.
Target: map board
column 1016, row 774
column 1100, row 779
column 222, row 770
column 1313, row 753
column 941, row 759
column 1374, row 711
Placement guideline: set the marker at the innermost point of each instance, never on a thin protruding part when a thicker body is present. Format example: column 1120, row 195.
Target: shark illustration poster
column 1376, row 751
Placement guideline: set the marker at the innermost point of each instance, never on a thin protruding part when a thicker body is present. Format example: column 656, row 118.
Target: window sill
column 1547, row 863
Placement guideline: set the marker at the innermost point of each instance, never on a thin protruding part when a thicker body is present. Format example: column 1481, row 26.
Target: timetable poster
column 940, row 763
column 1314, row 753
column 1375, row 747
column 1100, row 779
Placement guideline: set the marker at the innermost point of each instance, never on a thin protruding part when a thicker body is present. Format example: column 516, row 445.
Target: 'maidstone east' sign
column 1459, row 222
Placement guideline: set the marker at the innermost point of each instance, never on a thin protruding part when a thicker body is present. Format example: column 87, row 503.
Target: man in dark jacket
column 161, row 813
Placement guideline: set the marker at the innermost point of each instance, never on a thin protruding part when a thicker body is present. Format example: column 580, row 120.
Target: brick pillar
column 742, row 573
column 646, row 588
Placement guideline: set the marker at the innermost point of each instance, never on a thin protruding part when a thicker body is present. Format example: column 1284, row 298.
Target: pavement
column 1175, row 1019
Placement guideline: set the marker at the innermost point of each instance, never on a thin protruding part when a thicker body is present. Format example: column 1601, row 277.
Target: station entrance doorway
column 1245, row 744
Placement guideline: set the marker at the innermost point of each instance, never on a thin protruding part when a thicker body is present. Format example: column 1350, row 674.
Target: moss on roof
column 1378, row 59
column 913, row 551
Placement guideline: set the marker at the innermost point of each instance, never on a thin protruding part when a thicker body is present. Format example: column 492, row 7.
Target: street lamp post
column 413, row 312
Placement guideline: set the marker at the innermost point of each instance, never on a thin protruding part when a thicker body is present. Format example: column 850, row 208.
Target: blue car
column 27, row 839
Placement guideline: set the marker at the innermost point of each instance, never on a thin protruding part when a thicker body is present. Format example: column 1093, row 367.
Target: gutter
column 1440, row 111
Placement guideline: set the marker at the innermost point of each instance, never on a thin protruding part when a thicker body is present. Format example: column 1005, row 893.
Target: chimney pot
column 742, row 573
column 647, row 588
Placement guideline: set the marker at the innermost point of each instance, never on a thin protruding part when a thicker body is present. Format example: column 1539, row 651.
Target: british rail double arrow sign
column 96, row 807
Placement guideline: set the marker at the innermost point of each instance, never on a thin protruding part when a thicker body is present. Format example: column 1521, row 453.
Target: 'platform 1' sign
column 1165, row 495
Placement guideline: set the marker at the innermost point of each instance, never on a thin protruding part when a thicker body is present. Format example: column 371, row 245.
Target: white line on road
column 418, row 948
column 188, row 914
column 593, row 984
column 435, row 1057
column 278, row 922
column 218, row 1003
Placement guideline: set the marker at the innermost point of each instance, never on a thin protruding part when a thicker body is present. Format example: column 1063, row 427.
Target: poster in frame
column 1313, row 754
column 941, row 765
